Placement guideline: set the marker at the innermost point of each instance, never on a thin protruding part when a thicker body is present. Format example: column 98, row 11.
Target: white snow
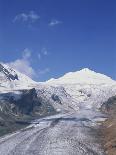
column 84, row 76
column 81, row 94
column 23, row 82
column 86, row 88
column 63, row 134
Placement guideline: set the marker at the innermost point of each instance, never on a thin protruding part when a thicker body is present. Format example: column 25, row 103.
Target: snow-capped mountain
column 84, row 76
column 87, row 88
column 74, row 90
column 11, row 79
column 76, row 94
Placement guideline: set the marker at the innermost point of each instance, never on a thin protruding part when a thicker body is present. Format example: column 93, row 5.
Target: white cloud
column 54, row 22
column 44, row 71
column 26, row 53
column 23, row 65
column 39, row 56
column 44, row 51
column 30, row 17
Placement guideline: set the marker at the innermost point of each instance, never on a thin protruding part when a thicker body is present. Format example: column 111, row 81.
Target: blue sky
column 47, row 38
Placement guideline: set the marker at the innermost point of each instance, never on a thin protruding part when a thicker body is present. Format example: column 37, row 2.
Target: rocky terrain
column 109, row 126
column 18, row 108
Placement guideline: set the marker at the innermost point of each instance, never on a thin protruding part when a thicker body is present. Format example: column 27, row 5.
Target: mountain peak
column 82, row 71
column 10, row 78
column 86, row 70
column 83, row 76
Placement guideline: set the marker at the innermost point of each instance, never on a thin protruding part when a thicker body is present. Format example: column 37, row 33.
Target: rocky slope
column 18, row 108
column 109, row 126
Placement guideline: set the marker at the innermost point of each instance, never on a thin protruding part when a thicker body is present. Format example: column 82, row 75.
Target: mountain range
column 23, row 100
column 77, row 87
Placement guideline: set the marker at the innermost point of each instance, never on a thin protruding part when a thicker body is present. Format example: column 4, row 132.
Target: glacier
column 77, row 97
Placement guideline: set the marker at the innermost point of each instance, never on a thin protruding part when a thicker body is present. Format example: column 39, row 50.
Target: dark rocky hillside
column 109, row 126
column 109, row 107
column 17, row 110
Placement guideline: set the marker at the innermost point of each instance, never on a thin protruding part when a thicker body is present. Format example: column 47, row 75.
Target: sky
column 48, row 38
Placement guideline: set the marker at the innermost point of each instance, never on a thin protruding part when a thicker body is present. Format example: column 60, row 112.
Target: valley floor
column 62, row 134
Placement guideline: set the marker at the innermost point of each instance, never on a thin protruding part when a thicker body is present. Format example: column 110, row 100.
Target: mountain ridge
column 82, row 76
column 76, row 98
column 79, row 88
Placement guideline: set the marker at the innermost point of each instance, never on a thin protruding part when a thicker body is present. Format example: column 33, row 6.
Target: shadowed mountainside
column 17, row 110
